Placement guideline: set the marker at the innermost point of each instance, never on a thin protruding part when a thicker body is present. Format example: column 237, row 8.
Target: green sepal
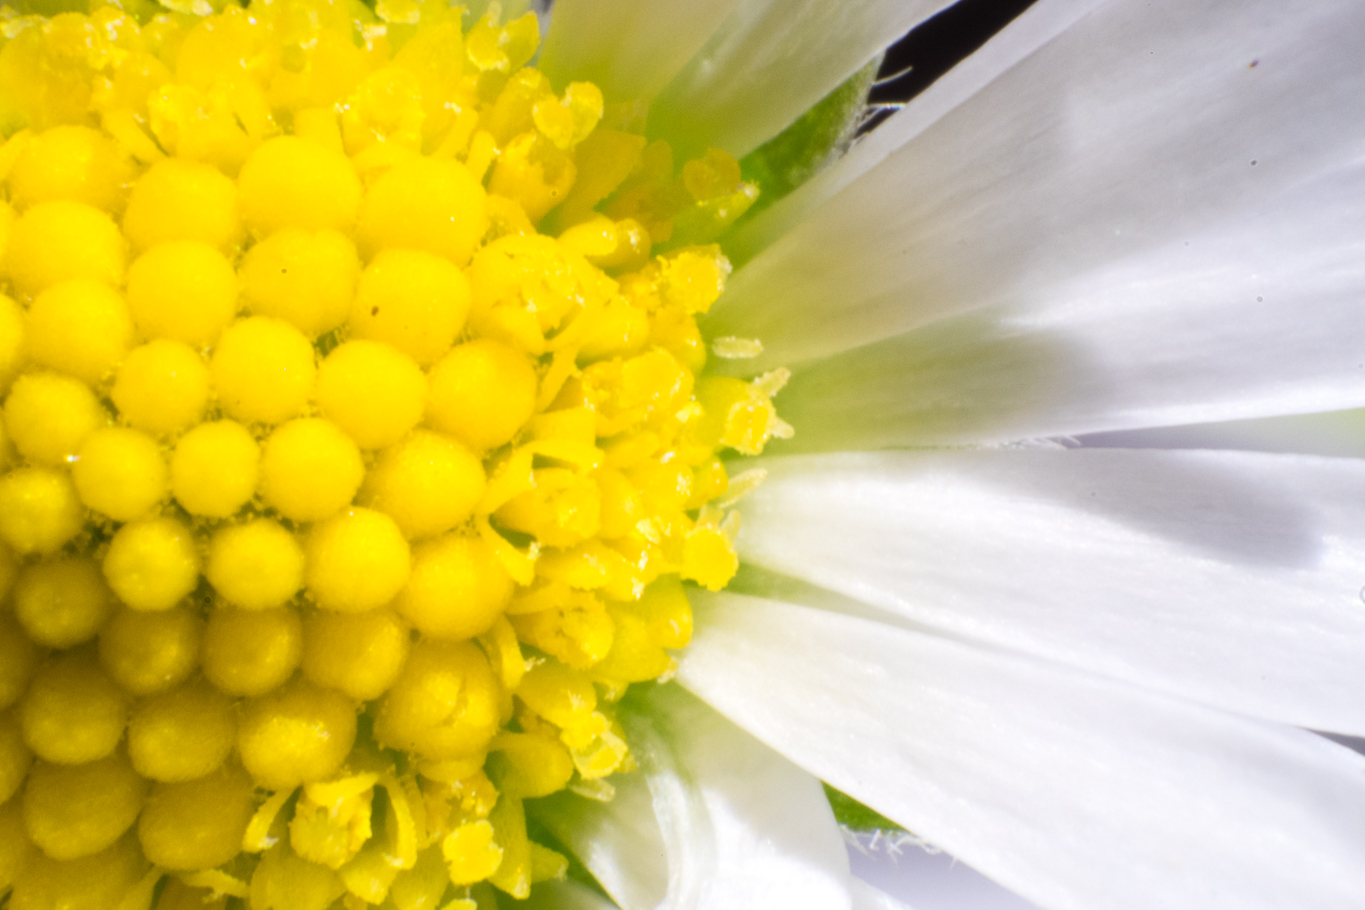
column 852, row 814
column 819, row 136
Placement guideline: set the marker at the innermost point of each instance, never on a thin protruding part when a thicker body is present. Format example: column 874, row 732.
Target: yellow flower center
column 354, row 452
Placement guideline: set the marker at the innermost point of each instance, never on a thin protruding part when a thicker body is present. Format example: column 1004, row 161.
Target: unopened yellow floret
column 290, row 182
column 75, row 163
column 458, row 588
column 151, row 564
column 444, row 704
column 182, row 734
column 197, row 824
column 251, row 652
column 256, row 565
column 18, row 659
column 15, row 757
column 72, row 712
column 482, row 393
column 39, row 510
column 62, row 602
column 295, row 736
column 360, row 654
column 183, row 290
column 74, row 811
column 263, row 370
column 214, row 469
column 428, row 484
column 57, row 241
column 356, row 561
column 374, row 392
column 12, row 353
column 146, row 653
column 182, row 200
column 81, row 327
column 413, row 300
column 424, row 204
column 48, row 416
column 162, row 387
column 310, row 470
column 307, row 278
column 120, row 473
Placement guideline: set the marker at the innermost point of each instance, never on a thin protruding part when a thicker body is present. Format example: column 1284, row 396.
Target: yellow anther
column 214, row 469
column 513, row 874
column 530, row 765
column 146, row 653
column 332, row 833
column 81, row 327
column 162, row 387
column 563, row 509
column 534, row 173
column 502, row 49
column 568, row 121
column 470, row 853
column 183, row 290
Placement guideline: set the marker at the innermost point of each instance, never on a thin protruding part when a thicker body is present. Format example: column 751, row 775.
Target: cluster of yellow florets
column 337, row 503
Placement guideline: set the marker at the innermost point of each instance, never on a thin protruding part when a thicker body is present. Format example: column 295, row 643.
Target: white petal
column 715, row 820
column 619, row 842
column 772, row 61
column 1339, row 434
column 565, row 896
column 1033, row 28
column 1071, row 184
column 1229, row 578
column 1074, row 791
column 866, row 897
column 776, row 845
column 629, row 49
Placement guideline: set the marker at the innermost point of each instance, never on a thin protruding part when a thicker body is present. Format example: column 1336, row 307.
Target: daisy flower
column 358, row 447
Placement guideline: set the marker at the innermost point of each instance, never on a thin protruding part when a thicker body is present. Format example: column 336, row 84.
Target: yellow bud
column 120, row 472
column 214, row 469
column 263, row 370
column 372, row 391
column 197, row 824
column 184, row 290
column 74, row 163
column 74, row 811
column 72, row 713
column 162, row 387
column 310, row 470
column 250, row 652
column 81, row 327
column 48, row 417
column 291, row 182
column 12, row 353
column 62, row 602
column 359, row 654
column 357, row 561
column 424, row 204
column 444, row 704
column 15, row 759
column 182, row 200
column 151, row 564
column 39, row 510
column 256, row 565
column 18, row 659
column 92, row 882
column 413, row 300
column 427, row 483
column 306, row 278
column 482, row 393
column 458, row 588
column 295, row 736
column 182, row 734
column 146, row 653
column 57, row 241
